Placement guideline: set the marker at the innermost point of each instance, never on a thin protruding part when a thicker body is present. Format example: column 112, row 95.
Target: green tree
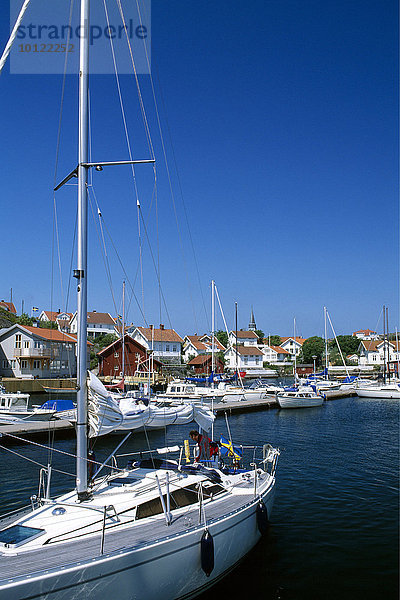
column 222, row 337
column 313, row 346
column 24, row 319
column 48, row 325
column 274, row 340
column 259, row 333
column 348, row 344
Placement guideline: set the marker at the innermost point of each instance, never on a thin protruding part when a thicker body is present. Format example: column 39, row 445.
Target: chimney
column 161, row 327
column 151, row 327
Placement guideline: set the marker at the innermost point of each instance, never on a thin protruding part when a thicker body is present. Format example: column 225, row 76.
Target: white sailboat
column 298, row 396
column 154, row 529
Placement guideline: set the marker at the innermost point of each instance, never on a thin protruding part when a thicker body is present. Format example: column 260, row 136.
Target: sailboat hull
column 145, row 569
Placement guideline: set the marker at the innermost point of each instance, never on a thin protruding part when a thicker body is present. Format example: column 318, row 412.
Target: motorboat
column 299, row 397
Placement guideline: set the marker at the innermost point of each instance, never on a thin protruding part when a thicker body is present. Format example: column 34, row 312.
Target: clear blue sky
column 283, row 117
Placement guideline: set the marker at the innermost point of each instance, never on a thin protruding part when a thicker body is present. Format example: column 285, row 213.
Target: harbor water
column 334, row 529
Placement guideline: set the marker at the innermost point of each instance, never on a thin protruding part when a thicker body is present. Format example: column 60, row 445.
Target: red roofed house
column 8, row 306
column 366, row 334
column 373, row 352
column 274, row 354
column 246, row 357
column 136, row 359
column 61, row 318
column 247, row 338
column 194, row 345
column 293, row 346
column 98, row 323
column 27, row 351
column 165, row 343
column 202, row 364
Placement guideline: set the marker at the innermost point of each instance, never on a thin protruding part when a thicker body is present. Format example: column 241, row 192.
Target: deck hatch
column 15, row 536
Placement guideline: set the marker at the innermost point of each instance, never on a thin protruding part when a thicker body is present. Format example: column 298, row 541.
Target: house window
column 246, row 360
column 18, row 340
column 5, row 364
column 167, row 348
column 13, row 364
column 116, row 368
column 24, row 364
column 26, row 344
column 36, row 344
column 36, row 364
column 116, row 354
column 173, row 348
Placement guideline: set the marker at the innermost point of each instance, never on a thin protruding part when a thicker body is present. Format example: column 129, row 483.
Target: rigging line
column 169, row 176
column 13, row 35
column 127, row 137
column 118, row 257
column 181, row 191
column 104, row 254
column 220, row 307
column 155, row 268
column 144, row 116
column 58, row 155
column 121, row 103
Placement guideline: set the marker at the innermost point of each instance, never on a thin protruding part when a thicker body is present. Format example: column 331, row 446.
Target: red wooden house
column 137, row 358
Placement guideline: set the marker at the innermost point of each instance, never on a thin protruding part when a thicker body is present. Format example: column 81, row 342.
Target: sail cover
column 106, row 415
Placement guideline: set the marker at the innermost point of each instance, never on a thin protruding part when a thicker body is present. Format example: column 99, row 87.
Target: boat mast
column 384, row 344
column 295, row 358
column 81, row 271
column 123, row 334
column 212, row 331
column 326, row 345
column 388, row 341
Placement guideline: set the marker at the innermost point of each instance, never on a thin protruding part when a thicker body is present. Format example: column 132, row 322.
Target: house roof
column 364, row 331
column 9, row 306
column 160, row 335
column 100, row 317
column 299, row 339
column 241, row 334
column 374, row 345
column 279, row 350
column 52, row 335
column 197, row 342
column 247, row 350
column 201, row 359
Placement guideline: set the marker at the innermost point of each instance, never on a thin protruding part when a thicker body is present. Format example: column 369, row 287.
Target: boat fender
column 262, row 517
column 207, row 552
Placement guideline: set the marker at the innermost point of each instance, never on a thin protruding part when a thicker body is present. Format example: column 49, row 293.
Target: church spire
column 252, row 324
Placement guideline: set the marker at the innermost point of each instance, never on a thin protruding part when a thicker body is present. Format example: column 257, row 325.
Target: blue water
column 334, row 528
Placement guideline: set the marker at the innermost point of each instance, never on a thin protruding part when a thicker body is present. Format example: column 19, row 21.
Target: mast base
column 84, row 496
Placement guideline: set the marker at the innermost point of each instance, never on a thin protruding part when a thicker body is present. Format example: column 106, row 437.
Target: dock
column 31, row 429
column 36, row 428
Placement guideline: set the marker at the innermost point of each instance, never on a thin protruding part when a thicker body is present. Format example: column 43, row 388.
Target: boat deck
column 85, row 549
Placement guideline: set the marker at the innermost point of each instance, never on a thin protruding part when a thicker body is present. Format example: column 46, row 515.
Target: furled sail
column 106, row 415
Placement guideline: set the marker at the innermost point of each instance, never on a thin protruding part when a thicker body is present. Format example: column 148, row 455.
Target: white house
column 275, row 354
column 247, row 338
column 61, row 318
column 372, row 352
column 165, row 343
column 194, row 345
column 98, row 323
column 366, row 334
column 245, row 358
column 291, row 345
column 33, row 351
